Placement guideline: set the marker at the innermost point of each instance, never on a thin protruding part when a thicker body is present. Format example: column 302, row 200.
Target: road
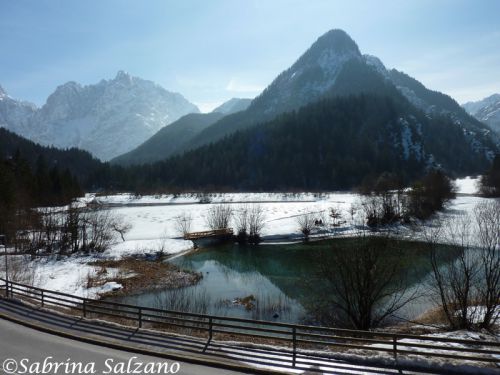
column 18, row 342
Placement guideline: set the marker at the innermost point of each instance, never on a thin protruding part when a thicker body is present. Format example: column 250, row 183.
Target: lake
column 272, row 282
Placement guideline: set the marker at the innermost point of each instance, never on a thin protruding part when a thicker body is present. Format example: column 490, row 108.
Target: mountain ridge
column 233, row 105
column 347, row 73
column 163, row 144
column 107, row 118
column 347, row 140
column 486, row 110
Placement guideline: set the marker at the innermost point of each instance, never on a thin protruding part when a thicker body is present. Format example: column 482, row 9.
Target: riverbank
column 134, row 276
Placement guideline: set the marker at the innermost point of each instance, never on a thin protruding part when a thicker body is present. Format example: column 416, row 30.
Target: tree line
column 336, row 143
column 23, row 187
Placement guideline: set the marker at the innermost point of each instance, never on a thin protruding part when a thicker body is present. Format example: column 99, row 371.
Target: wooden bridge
column 215, row 234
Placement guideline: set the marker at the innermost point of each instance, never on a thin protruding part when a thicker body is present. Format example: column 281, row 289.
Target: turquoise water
column 283, row 279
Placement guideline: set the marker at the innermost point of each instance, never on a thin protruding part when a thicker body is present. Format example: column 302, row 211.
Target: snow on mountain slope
column 106, row 119
column 334, row 66
column 311, row 75
column 486, row 110
column 15, row 115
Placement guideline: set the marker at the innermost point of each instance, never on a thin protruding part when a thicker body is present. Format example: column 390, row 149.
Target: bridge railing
column 296, row 340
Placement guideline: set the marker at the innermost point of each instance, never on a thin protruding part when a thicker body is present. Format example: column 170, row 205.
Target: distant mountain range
column 486, row 110
column 331, row 120
column 106, row 119
column 172, row 139
column 332, row 67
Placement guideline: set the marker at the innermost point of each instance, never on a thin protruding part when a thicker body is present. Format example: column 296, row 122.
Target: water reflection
column 282, row 280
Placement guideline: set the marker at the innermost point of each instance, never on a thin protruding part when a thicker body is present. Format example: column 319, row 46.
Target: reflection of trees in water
column 292, row 269
column 283, row 266
column 269, row 306
column 194, row 300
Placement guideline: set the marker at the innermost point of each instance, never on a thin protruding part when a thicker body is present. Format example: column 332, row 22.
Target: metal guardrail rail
column 296, row 337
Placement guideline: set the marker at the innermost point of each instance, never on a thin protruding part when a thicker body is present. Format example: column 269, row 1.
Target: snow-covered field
column 152, row 220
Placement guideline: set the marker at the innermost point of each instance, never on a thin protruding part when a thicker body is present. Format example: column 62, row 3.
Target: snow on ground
column 378, row 356
column 158, row 221
column 467, row 185
column 193, row 198
column 153, row 228
column 68, row 275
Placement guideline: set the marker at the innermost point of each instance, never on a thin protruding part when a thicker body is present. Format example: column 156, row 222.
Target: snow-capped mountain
column 233, row 105
column 106, row 119
column 15, row 115
column 334, row 67
column 486, row 110
column 313, row 74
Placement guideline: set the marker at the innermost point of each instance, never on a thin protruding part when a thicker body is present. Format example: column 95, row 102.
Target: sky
column 211, row 51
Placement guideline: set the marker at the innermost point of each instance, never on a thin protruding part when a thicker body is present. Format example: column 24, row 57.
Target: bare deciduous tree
column 454, row 281
column 21, row 270
column 183, row 223
column 256, row 223
column 241, row 222
column 367, row 281
column 468, row 287
column 487, row 216
column 335, row 214
column 219, row 216
column 249, row 222
column 306, row 224
column 98, row 229
column 381, row 209
column 119, row 226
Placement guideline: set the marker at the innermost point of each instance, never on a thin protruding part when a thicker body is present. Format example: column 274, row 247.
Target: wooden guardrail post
column 210, row 333
column 139, row 313
column 84, row 307
column 43, row 299
column 294, row 345
column 395, row 347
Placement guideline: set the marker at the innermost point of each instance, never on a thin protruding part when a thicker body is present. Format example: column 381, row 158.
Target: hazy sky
column 210, row 51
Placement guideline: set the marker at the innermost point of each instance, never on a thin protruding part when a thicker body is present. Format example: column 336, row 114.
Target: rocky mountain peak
column 330, row 50
column 64, row 90
column 123, row 76
column 474, row 107
column 486, row 110
column 108, row 118
column 336, row 40
column 313, row 74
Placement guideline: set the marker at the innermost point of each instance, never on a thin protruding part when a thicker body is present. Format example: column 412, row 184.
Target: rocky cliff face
column 107, row 119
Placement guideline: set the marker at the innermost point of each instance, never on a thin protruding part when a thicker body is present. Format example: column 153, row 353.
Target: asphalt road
column 28, row 347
